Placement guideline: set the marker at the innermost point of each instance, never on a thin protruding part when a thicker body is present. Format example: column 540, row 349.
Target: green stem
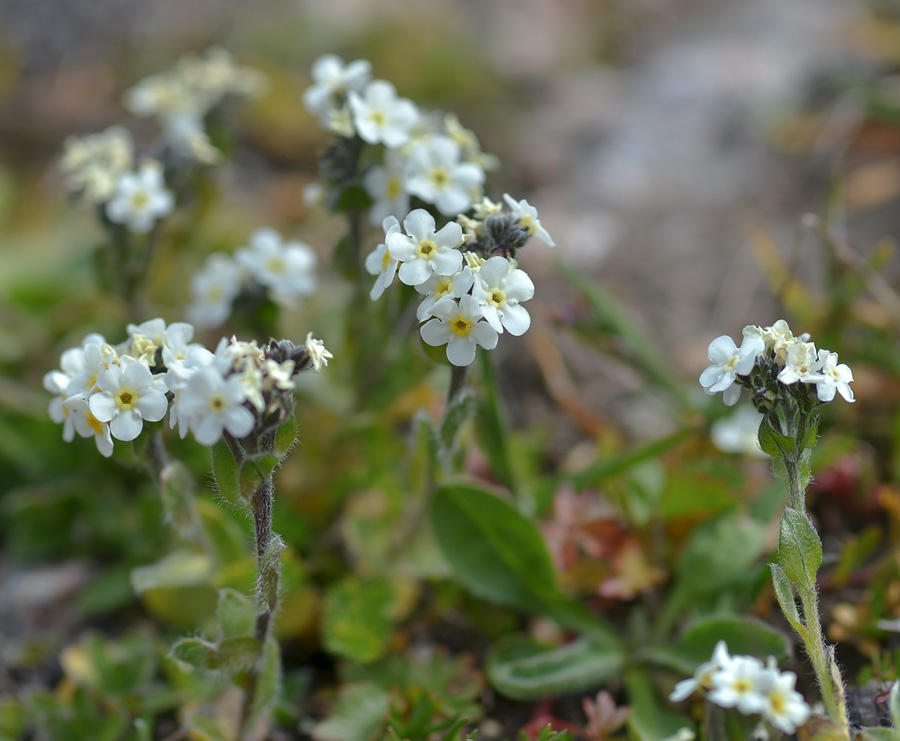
column 821, row 657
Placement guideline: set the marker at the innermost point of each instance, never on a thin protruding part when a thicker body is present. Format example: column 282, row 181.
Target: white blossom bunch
column 420, row 154
column 283, row 269
column 472, row 286
column 180, row 98
column 781, row 358
column 108, row 391
column 93, row 164
column 753, row 688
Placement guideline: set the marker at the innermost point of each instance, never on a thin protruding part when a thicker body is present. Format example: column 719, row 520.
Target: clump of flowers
column 283, row 270
column 748, row 685
column 418, row 154
column 109, row 391
column 180, row 98
column 772, row 362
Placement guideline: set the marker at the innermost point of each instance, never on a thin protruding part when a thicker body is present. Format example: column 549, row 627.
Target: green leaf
column 494, row 550
column 524, row 669
column 177, row 487
column 178, row 569
column 268, row 681
column 285, row 437
column 799, row 549
column 229, row 655
column 879, row 734
column 456, row 413
column 784, row 592
column 743, row 636
column 493, row 427
column 720, row 553
column 894, row 704
column 811, row 437
column 773, row 442
column 225, row 471
column 235, row 613
column 356, row 618
column 358, row 714
column 649, row 719
column 255, row 470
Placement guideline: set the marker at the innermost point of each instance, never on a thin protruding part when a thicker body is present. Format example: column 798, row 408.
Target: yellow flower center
column 276, row 265
column 378, row 118
column 461, row 326
column 126, row 399
column 385, row 259
column 440, row 177
column 443, row 288
column 742, row 686
column 497, row 298
column 140, row 200
column 779, row 703
column 217, row 403
column 426, row 249
column 393, row 188
column 527, row 223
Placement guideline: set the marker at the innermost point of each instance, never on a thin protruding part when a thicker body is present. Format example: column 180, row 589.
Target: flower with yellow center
column 436, row 175
column 729, row 361
column 140, row 198
column 527, row 216
column 386, row 185
column 459, row 325
column 440, row 286
column 422, row 251
column 129, row 394
column 499, row 288
column 380, row 116
column 380, row 263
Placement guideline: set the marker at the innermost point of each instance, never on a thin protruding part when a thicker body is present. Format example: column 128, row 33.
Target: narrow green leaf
column 493, row 427
column 358, row 714
column 457, row 412
column 225, row 470
column 742, row 635
column 772, row 441
column 254, row 471
column 799, row 549
column 784, row 592
column 523, row 669
column 494, row 550
column 812, row 435
column 285, row 437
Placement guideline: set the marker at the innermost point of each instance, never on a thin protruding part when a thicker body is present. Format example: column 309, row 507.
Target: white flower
column 499, row 287
column 286, row 268
column 460, row 326
column 703, row 676
column 94, row 163
column 436, row 175
column 782, row 705
column 738, row 684
column 140, row 198
column 87, row 425
column 177, row 376
column 832, row 377
column 380, row 116
column 333, row 79
column 174, row 339
column 380, row 263
column 318, row 354
column 527, row 216
column 728, row 362
column 210, row 403
column 129, row 394
column 439, row 286
column 213, row 289
column 425, row 251
column 387, row 187
column 738, row 433
column 801, row 364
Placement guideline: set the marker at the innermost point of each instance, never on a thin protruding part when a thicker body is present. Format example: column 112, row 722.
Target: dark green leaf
column 799, row 549
column 229, row 655
column 784, row 592
column 285, row 437
column 772, row 441
column 523, row 669
column 255, row 470
column 225, row 471
column 494, row 550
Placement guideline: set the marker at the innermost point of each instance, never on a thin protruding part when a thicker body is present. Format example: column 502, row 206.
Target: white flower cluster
column 426, row 155
column 745, row 683
column 471, row 282
column 796, row 357
column 182, row 97
column 285, row 269
column 100, row 169
column 108, row 391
